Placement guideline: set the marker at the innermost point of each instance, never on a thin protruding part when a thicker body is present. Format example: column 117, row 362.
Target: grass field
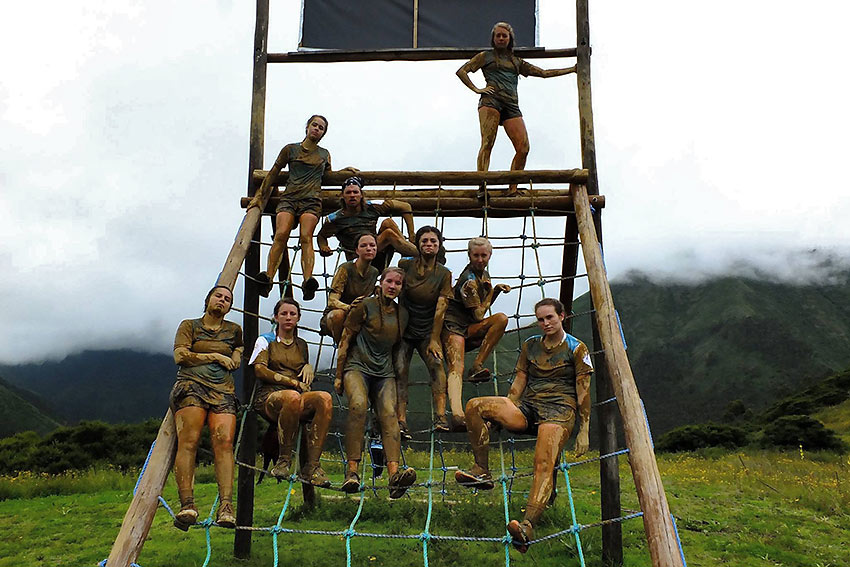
column 743, row 509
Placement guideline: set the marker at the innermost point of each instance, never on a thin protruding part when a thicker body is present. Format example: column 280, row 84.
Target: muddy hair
column 441, row 253
column 210, row 292
column 325, row 120
column 510, row 29
column 386, row 271
column 559, row 307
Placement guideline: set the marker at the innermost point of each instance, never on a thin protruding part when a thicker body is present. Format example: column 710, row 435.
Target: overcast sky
column 721, row 135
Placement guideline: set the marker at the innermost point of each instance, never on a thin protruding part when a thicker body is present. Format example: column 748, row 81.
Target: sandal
column 315, row 475
column 187, row 516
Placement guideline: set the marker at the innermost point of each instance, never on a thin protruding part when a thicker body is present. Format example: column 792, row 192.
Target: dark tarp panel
column 387, row 24
column 357, row 24
column 453, row 23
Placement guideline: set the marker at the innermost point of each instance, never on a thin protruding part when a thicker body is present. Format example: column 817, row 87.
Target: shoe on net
column 264, row 284
column 281, row 468
column 309, row 288
column 401, row 481
column 351, row 483
column 187, row 516
column 468, row 479
column 315, row 475
column 478, row 375
column 441, row 423
column 225, row 517
column 522, row 534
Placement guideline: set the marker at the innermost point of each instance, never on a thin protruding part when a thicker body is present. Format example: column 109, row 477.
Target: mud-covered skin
column 360, row 389
column 402, row 359
column 348, row 284
column 346, row 224
column 464, row 328
column 499, row 103
column 372, row 330
column 206, row 351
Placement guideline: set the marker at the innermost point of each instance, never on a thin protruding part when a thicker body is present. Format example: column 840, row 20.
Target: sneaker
column 522, row 534
column 441, row 423
column 481, row 481
column 315, row 475
column 281, row 468
column 401, row 481
column 404, row 432
column 225, row 517
column 187, row 516
column 264, row 284
column 351, row 483
column 478, row 375
column 309, row 288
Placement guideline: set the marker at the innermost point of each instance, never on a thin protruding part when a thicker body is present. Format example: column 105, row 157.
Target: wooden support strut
column 660, row 534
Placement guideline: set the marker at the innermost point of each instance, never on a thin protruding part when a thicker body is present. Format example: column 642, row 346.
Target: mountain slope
column 17, row 413
column 695, row 348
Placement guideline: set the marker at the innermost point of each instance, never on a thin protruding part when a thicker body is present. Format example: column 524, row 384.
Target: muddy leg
column 550, row 441
column 222, row 430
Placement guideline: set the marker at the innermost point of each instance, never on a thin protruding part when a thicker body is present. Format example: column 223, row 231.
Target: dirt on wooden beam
column 449, row 178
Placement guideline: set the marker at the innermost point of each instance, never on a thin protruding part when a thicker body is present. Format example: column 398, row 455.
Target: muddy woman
column 353, row 280
column 284, row 395
column 207, row 351
column 365, row 372
column 300, row 203
column 426, row 293
column 467, row 326
column 552, row 385
column 499, row 102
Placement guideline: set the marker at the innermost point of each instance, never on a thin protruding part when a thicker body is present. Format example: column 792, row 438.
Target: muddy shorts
column 537, row 413
column 452, row 326
column 188, row 393
column 507, row 109
column 297, row 207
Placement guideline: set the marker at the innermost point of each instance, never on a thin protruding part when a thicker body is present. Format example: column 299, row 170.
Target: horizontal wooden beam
column 408, row 54
column 462, row 202
column 472, row 178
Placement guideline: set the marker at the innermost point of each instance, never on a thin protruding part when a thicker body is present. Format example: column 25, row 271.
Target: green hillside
column 19, row 414
column 695, row 348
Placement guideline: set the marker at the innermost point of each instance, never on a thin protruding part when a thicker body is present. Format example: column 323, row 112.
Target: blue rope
column 576, row 527
column 679, row 541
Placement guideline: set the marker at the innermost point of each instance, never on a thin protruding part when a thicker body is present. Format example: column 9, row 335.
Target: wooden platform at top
column 407, row 54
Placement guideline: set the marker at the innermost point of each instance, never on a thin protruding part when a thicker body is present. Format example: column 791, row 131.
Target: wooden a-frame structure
column 613, row 379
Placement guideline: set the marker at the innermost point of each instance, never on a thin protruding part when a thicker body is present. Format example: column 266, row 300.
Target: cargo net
column 516, row 243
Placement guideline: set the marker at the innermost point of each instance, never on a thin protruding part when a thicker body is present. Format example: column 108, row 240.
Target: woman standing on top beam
column 499, row 103
column 300, row 203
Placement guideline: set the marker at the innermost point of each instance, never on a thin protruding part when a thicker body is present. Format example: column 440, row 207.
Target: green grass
column 753, row 509
column 837, row 418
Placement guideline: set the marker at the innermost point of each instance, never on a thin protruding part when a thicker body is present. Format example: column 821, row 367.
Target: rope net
column 516, row 242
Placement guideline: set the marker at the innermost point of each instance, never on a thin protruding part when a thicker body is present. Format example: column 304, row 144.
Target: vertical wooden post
column 248, row 445
column 609, row 470
column 657, row 522
column 569, row 264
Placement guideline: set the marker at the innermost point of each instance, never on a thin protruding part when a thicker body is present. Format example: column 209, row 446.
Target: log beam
column 139, row 517
column 462, row 203
column 419, row 54
column 658, row 525
column 471, row 178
